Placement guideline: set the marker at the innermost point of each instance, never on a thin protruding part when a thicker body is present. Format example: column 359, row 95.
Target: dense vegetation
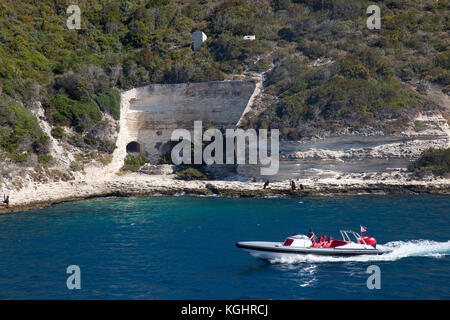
column 76, row 74
column 20, row 133
column 432, row 160
column 134, row 162
column 362, row 82
column 194, row 173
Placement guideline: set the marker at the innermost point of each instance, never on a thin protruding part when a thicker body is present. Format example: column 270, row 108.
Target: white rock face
column 56, row 150
column 150, row 114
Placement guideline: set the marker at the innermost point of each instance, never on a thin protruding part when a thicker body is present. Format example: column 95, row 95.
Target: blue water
column 184, row 248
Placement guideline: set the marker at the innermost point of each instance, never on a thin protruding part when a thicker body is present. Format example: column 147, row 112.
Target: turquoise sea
column 184, row 248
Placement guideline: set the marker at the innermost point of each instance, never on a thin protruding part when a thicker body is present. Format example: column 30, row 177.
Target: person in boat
column 293, row 187
column 266, row 184
column 311, row 235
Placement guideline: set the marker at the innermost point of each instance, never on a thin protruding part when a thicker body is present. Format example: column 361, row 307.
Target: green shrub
column 313, row 49
column 433, row 160
column 76, row 165
column 77, row 140
column 105, row 158
column 90, row 140
column 67, row 112
column 45, row 158
column 134, row 163
column 18, row 157
column 260, row 66
column 214, row 74
column 58, row 133
column 7, row 89
column 165, row 159
column 20, row 133
column 353, row 69
column 192, row 173
column 41, row 145
column 443, row 60
column 110, row 102
column 106, row 146
column 418, row 125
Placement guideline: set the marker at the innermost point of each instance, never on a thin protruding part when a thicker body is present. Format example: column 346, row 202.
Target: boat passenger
column 311, row 234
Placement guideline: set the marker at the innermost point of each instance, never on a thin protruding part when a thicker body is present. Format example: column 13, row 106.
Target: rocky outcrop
column 323, row 157
column 135, row 184
column 162, row 169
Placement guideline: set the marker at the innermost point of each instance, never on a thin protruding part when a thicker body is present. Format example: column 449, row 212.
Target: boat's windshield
column 346, row 237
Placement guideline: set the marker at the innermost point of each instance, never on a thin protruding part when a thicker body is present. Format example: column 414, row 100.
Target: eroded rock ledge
column 145, row 185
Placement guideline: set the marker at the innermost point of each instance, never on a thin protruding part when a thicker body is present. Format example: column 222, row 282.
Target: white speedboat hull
column 274, row 250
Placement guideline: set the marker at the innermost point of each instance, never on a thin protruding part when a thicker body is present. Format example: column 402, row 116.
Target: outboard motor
column 370, row 241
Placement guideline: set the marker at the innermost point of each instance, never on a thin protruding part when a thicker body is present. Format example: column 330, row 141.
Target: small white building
column 250, row 37
column 199, row 38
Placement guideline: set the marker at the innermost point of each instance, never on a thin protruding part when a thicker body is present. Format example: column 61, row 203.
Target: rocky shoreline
column 346, row 163
column 134, row 184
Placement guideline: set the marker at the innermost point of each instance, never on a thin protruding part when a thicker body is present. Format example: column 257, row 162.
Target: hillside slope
column 325, row 72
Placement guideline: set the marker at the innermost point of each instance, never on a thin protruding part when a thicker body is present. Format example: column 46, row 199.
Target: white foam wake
column 392, row 251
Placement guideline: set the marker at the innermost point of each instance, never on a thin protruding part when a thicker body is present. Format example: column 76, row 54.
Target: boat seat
column 328, row 244
column 321, row 241
column 316, row 243
column 313, row 241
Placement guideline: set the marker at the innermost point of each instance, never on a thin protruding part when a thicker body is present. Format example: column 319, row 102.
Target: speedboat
column 299, row 244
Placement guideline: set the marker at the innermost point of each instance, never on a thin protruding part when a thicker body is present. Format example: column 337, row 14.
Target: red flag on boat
column 363, row 229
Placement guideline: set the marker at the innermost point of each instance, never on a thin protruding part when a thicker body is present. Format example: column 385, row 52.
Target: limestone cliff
column 150, row 114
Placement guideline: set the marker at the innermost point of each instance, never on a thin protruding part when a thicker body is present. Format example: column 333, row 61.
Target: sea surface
column 184, row 248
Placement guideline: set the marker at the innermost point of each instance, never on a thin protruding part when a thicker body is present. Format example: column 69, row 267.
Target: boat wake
column 392, row 251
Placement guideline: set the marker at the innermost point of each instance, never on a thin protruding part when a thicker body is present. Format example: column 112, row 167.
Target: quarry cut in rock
column 150, row 114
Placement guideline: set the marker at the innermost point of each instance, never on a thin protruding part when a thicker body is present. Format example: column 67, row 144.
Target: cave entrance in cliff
column 165, row 150
column 134, row 148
